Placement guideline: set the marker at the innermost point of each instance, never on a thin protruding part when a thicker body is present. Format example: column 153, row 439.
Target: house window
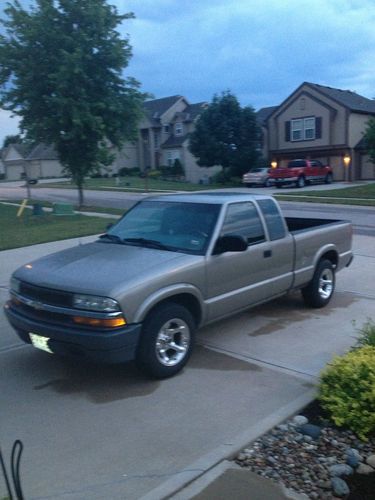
column 178, row 129
column 171, row 157
column 156, row 140
column 303, row 129
column 296, row 130
column 166, row 129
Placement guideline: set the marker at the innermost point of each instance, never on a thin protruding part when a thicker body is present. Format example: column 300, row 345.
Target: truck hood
column 98, row 268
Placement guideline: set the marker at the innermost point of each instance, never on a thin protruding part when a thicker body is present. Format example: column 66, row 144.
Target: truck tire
column 301, row 182
column 328, row 179
column 267, row 183
column 167, row 340
column 320, row 289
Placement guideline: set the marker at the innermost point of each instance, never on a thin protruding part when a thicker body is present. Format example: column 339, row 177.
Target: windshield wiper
column 147, row 243
column 112, row 237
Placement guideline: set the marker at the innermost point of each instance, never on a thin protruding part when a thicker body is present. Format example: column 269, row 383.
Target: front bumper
column 115, row 345
column 285, row 180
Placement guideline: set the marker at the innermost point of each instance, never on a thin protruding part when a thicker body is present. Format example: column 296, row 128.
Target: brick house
column 321, row 123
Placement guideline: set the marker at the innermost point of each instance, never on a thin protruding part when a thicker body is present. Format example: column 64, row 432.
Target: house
column 323, row 123
column 43, row 162
column 164, row 135
column 13, row 159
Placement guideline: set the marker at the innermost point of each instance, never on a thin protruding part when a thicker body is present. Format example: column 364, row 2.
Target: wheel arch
column 188, row 297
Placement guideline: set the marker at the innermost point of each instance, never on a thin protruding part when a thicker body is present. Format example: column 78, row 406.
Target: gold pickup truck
column 170, row 265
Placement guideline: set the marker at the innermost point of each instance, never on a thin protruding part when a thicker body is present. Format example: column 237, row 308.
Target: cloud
column 261, row 50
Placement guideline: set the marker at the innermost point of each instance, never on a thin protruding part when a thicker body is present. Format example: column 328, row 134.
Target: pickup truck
column 301, row 172
column 171, row 264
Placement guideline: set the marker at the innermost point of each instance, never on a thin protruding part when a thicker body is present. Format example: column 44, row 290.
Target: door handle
column 267, row 254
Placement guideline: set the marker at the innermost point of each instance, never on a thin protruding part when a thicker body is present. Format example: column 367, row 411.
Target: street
column 107, row 432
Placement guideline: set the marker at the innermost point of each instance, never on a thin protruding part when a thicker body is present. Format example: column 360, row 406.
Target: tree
column 61, row 69
column 226, row 135
column 370, row 139
column 12, row 139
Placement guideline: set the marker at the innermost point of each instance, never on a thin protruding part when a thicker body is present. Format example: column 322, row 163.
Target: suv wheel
column 167, row 340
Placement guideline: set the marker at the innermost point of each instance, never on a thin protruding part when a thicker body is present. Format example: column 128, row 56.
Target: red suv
column 302, row 172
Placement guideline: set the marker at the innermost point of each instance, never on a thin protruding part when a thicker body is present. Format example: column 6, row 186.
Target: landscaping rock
column 353, row 457
column 364, row 469
column 300, row 420
column 339, row 487
column 371, row 461
column 340, row 470
column 310, row 430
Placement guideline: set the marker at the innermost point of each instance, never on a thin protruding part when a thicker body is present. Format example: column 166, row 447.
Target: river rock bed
column 321, row 461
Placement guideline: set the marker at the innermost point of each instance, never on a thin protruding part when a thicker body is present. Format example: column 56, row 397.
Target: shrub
column 347, row 390
column 154, row 174
column 367, row 334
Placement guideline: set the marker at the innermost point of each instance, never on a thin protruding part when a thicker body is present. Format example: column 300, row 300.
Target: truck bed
column 296, row 224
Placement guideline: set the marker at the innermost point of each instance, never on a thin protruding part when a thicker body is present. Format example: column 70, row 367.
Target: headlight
column 15, row 284
column 94, row 303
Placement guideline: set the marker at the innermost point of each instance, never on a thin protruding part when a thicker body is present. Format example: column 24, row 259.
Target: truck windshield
column 174, row 226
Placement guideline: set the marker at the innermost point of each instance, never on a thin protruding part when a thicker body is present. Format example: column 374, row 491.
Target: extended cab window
column 242, row 219
column 274, row 221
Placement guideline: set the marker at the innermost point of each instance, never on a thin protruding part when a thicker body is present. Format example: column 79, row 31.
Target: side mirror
column 230, row 243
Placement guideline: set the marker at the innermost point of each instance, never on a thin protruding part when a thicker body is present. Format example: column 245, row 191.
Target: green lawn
column 136, row 184
column 85, row 208
column 356, row 195
column 31, row 229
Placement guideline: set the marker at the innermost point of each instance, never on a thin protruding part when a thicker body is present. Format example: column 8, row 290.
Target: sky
column 260, row 50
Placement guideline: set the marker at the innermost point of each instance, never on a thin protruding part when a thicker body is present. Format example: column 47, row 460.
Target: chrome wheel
column 326, row 283
column 172, row 342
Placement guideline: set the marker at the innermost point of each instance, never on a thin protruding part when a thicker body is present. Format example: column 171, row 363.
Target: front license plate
column 40, row 342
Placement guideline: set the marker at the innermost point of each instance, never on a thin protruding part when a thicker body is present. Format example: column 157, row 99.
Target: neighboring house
column 14, row 162
column 43, row 162
column 164, row 136
column 321, row 123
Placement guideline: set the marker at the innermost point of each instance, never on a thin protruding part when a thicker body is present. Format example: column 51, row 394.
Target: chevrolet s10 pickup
column 171, row 264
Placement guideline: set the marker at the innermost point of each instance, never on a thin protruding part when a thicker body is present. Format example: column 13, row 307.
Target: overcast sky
column 261, row 50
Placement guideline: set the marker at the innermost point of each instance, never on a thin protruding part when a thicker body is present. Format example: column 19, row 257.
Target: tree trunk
column 80, row 194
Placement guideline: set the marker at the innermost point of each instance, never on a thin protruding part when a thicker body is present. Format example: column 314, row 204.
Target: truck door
column 239, row 279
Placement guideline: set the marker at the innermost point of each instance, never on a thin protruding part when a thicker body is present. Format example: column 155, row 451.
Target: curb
column 202, row 468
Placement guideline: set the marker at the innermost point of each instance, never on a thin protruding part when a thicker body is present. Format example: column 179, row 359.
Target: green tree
column 12, row 139
column 226, row 135
column 61, row 66
column 370, row 139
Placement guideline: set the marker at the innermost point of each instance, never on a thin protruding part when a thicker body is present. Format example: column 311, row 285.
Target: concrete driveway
column 107, row 432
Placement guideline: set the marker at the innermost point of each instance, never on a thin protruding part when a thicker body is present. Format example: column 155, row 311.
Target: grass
column 85, row 208
column 136, row 184
column 356, row 195
column 30, row 229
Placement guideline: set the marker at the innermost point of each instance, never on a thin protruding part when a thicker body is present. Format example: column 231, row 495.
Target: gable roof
column 21, row 149
column 263, row 114
column 347, row 98
column 43, row 152
column 155, row 108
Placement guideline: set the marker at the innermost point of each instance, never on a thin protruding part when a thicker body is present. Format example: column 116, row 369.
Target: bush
column 367, row 334
column 347, row 391
column 130, row 172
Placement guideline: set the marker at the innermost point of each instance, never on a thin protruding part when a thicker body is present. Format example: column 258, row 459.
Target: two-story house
column 323, row 123
column 164, row 135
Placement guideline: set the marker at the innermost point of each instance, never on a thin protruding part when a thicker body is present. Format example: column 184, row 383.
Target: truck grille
column 46, row 295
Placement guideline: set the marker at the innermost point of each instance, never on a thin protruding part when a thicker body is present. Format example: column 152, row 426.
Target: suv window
column 275, row 224
column 297, row 163
column 242, row 219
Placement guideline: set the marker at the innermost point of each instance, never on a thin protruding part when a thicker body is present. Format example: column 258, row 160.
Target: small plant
column 367, row 334
column 347, row 390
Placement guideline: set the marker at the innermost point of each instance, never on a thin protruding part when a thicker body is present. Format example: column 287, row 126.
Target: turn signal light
column 105, row 323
